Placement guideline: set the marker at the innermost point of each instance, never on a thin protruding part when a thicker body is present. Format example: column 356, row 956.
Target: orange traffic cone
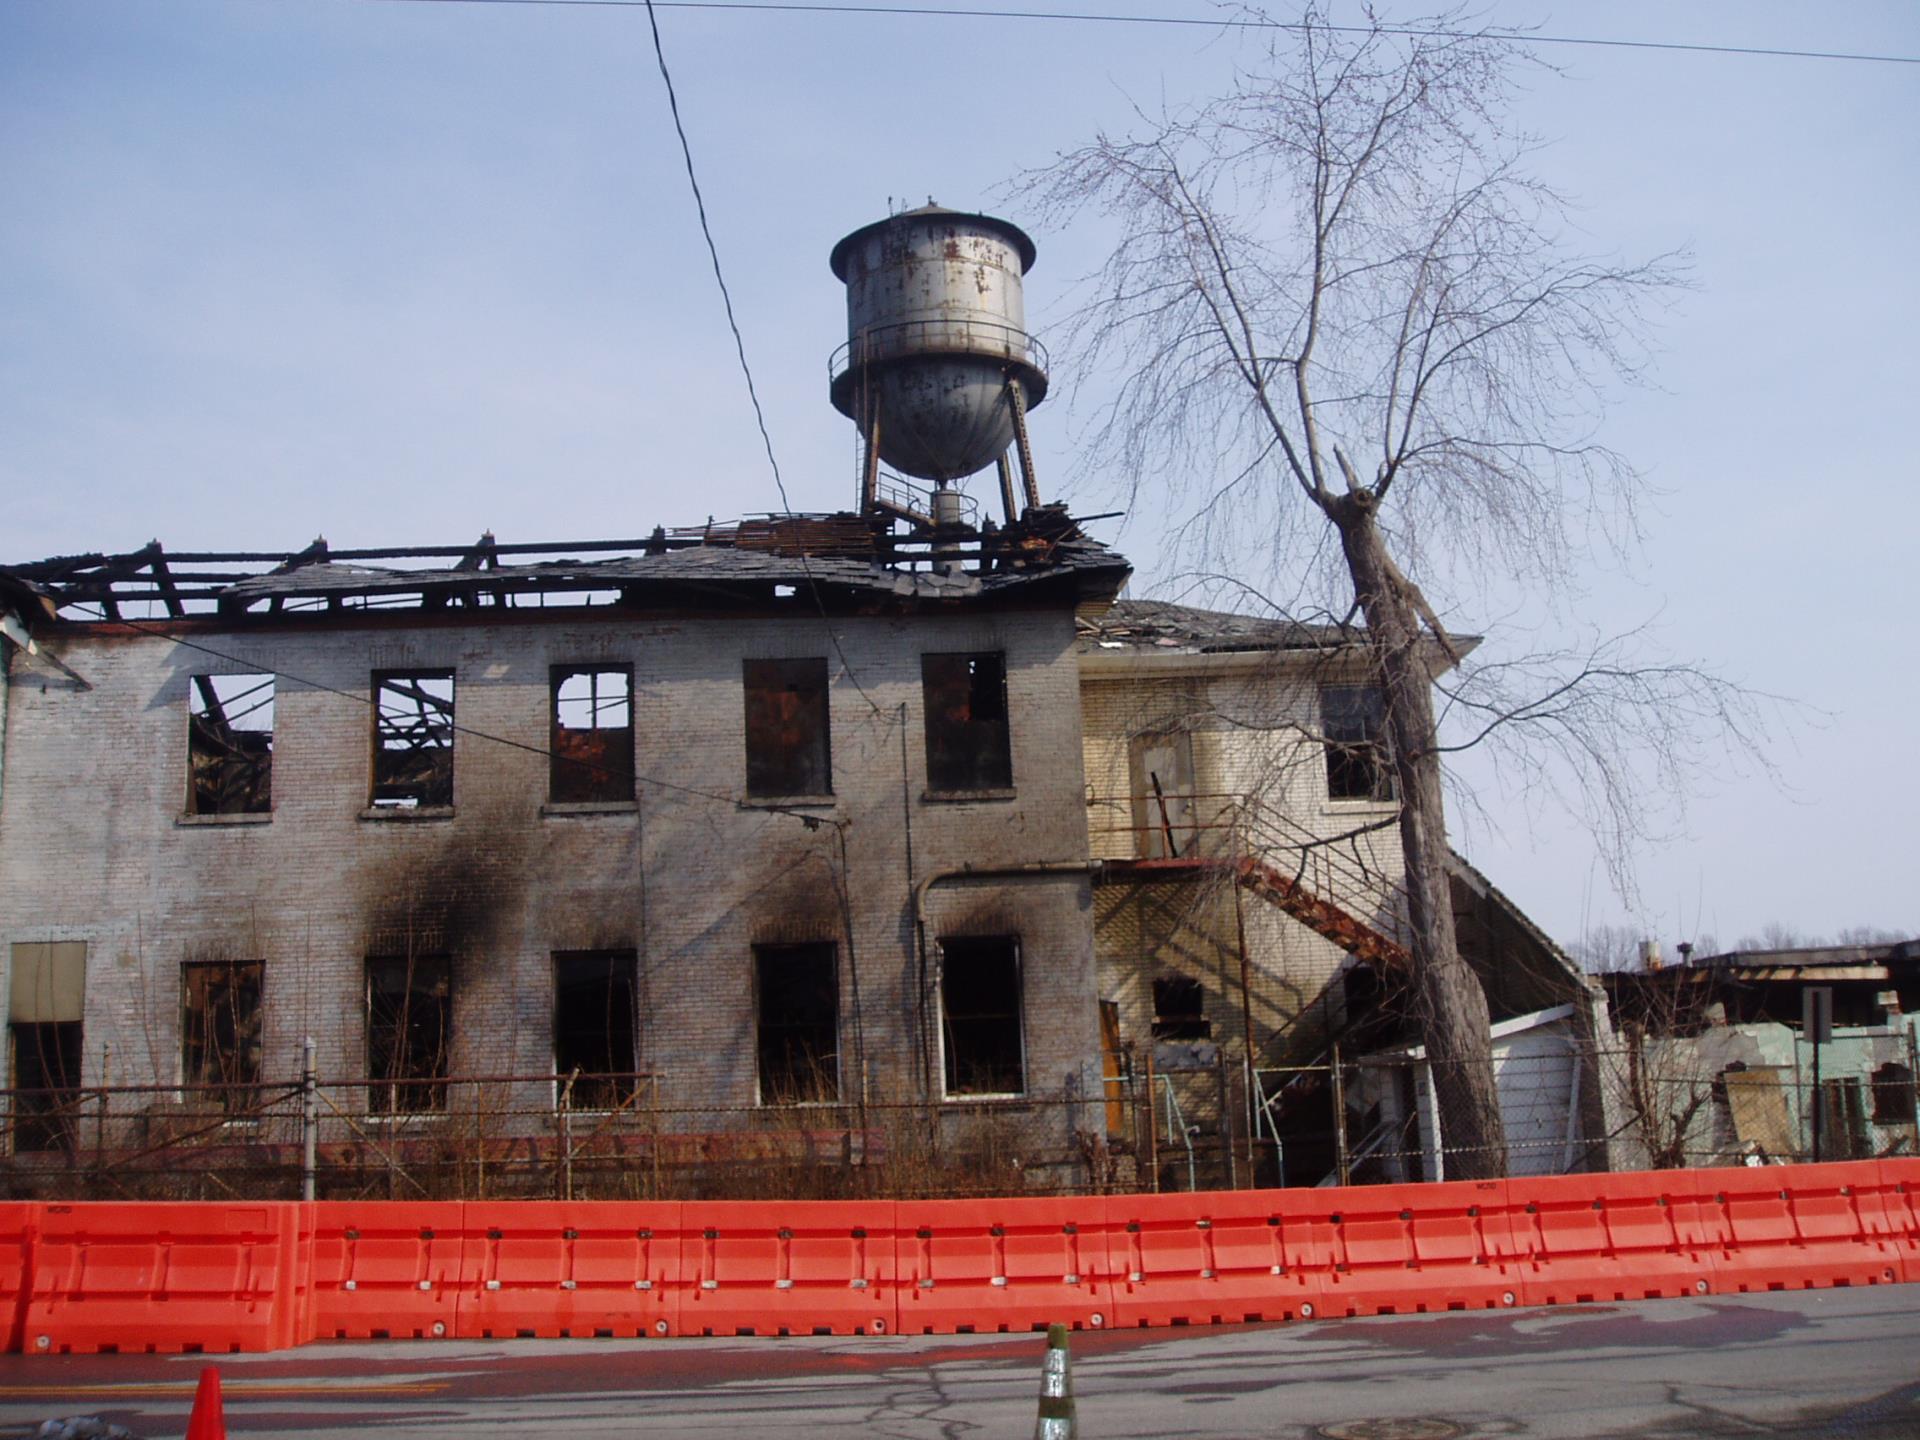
column 208, row 1421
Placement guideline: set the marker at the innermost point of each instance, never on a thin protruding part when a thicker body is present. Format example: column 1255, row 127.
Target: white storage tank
column 936, row 335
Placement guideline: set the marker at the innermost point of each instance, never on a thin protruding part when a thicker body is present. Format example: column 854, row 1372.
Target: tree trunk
column 1454, row 1017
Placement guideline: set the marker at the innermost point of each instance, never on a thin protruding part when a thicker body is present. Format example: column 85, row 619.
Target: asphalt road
column 1825, row 1365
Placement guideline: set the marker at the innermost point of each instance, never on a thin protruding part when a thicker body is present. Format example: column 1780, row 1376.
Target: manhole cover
column 1415, row 1429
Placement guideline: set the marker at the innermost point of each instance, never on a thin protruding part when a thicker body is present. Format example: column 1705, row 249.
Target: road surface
column 1816, row 1365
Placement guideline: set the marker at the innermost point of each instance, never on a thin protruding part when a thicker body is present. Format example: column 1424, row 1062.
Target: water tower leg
column 870, row 466
column 1018, row 398
column 1008, row 504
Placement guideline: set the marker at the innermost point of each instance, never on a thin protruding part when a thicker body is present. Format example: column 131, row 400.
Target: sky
column 397, row 273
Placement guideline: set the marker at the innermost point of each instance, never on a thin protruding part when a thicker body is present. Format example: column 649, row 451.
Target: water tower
column 938, row 370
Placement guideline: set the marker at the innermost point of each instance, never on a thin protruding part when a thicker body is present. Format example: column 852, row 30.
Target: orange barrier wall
column 221, row 1277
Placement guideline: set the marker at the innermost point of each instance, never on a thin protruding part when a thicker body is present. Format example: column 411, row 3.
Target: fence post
column 1339, row 1120
column 1226, row 1119
column 1153, row 1124
column 309, row 1120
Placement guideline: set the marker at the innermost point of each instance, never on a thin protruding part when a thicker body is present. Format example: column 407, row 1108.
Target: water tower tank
column 936, row 333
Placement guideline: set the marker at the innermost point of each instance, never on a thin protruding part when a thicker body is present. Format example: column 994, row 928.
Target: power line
column 826, row 7
column 740, row 346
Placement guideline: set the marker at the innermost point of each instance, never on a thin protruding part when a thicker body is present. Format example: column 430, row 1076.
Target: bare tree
column 1343, row 315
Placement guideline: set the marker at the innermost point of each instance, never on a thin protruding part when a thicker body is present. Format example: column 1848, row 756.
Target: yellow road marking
column 243, row 1389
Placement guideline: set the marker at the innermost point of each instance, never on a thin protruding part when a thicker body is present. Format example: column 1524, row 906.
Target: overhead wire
column 740, row 349
column 833, row 7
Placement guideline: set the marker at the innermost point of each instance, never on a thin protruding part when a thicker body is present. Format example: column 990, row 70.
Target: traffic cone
column 1055, row 1421
column 208, row 1421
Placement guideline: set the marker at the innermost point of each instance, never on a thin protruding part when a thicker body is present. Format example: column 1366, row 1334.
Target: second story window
column 787, row 734
column 1353, row 718
column 230, row 745
column 413, row 739
column 592, row 739
column 968, row 744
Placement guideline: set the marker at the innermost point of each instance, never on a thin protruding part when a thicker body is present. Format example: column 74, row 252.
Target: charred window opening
column 980, row 1015
column 787, row 750
column 968, row 745
column 1893, row 1095
column 1180, row 1009
column 230, row 745
column 593, row 1027
column 1353, row 719
column 797, row 997
column 592, row 748
column 47, row 1002
column 220, row 1030
column 409, row 1029
column 413, row 739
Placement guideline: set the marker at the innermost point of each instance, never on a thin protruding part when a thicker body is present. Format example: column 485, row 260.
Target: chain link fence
column 1187, row 1126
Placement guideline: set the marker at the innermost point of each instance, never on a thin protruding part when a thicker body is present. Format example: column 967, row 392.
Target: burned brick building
column 783, row 813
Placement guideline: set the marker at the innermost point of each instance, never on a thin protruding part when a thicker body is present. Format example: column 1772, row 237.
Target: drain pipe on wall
column 1031, row 870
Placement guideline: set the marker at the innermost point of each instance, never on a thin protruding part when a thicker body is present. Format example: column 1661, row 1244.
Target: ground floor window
column 980, row 1015
column 797, row 1022
column 220, row 1031
column 409, row 1032
column 593, row 1027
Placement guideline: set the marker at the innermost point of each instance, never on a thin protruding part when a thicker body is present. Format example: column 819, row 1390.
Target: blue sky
column 397, row 273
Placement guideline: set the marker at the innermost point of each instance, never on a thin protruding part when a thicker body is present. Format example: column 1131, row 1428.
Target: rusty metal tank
column 936, row 336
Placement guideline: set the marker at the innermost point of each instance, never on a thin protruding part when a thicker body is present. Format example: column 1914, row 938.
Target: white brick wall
column 92, row 843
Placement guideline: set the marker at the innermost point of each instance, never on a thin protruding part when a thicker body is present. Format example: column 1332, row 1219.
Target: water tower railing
column 910, row 338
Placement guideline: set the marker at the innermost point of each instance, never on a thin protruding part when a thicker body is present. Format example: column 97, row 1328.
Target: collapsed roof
column 842, row 562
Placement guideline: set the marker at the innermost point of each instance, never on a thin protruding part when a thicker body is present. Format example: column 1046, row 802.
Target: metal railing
column 939, row 338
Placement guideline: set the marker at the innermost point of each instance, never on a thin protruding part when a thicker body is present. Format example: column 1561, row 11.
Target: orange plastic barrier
column 1002, row 1264
column 1208, row 1259
column 164, row 1277
column 218, row 1277
column 1646, row 1235
column 386, row 1269
column 17, row 1223
column 564, row 1268
column 775, row 1267
column 1900, row 1197
column 1814, row 1226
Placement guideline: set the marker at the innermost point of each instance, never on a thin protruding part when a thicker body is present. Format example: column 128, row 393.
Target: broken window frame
column 408, row 1042
column 220, row 1035
column 1892, row 1089
column 411, row 721
column 1180, row 1009
column 591, row 763
column 230, row 761
column 595, row 1069
column 969, row 734
column 796, row 1044
column 789, row 725
column 1353, row 725
column 983, row 1043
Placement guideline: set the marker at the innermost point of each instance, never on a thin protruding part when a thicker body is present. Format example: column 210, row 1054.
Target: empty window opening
column 592, row 743
column 220, row 1031
column 1162, row 775
column 1353, row 719
column 980, row 1023
column 409, row 1030
column 968, row 746
column 47, row 1001
column 797, row 1005
column 230, row 745
column 1180, row 1009
column 1893, row 1095
column 787, row 734
column 593, row 1028
column 413, row 739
